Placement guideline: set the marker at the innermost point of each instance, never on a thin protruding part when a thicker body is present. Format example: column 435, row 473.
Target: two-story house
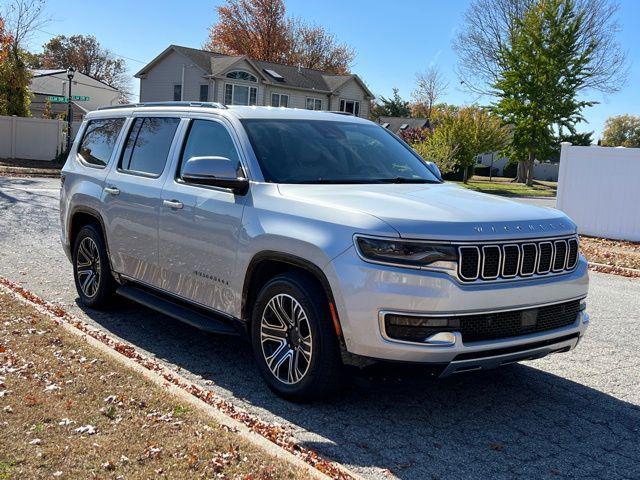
column 188, row 74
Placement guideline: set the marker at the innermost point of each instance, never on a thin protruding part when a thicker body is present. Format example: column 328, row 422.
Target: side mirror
column 216, row 172
column 435, row 170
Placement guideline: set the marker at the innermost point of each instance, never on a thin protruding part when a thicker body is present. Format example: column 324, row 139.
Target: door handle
column 112, row 190
column 175, row 204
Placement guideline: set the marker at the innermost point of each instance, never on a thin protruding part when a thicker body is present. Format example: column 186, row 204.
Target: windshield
column 320, row 151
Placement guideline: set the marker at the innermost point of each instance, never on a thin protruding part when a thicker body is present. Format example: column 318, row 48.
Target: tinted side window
column 148, row 145
column 208, row 139
column 99, row 140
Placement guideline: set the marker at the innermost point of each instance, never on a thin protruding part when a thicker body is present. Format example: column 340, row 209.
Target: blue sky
column 393, row 40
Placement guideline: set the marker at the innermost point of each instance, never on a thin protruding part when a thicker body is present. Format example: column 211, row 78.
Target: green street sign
column 80, row 98
column 58, row 99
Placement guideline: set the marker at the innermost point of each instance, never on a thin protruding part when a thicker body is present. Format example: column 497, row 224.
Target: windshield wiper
column 404, row 180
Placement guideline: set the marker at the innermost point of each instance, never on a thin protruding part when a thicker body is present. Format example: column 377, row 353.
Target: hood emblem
column 519, row 227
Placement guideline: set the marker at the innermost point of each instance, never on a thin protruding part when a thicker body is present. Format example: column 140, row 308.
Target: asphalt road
column 574, row 415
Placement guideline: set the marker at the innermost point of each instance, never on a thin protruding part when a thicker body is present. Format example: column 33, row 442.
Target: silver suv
column 323, row 238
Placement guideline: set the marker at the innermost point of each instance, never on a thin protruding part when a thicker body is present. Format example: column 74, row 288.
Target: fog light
column 442, row 338
column 430, row 322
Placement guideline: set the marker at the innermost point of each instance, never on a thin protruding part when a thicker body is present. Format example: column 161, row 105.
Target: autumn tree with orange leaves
column 262, row 30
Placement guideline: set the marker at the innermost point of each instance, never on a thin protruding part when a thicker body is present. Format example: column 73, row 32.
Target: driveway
column 574, row 415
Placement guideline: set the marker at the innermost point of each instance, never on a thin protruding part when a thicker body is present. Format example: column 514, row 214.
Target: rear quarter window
column 99, row 140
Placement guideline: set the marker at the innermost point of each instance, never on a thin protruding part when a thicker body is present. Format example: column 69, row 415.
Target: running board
column 201, row 320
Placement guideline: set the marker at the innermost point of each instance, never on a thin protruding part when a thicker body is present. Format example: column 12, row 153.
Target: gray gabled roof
column 213, row 63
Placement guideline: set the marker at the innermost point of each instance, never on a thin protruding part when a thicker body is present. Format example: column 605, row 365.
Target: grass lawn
column 503, row 186
column 69, row 411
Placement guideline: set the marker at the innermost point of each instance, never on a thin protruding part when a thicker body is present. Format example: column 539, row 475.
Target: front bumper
column 362, row 291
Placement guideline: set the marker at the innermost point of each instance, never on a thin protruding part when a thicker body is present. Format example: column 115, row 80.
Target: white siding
column 297, row 98
column 157, row 85
column 351, row 90
column 598, row 189
column 221, row 81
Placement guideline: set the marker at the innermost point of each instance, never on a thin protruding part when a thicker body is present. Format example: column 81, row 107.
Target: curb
column 247, row 426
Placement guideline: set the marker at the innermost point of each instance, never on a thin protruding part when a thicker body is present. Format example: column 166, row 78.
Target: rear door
column 200, row 226
column 131, row 197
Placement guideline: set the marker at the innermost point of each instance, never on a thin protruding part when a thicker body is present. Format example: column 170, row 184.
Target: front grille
column 519, row 259
column 484, row 326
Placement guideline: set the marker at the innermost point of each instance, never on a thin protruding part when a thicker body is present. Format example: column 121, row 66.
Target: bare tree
column 23, row 18
column 430, row 87
column 490, row 25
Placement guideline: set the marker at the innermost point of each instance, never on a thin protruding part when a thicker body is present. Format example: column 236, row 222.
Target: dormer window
column 242, row 75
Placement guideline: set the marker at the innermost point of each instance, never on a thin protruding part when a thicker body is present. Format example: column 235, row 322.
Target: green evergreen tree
column 395, row 106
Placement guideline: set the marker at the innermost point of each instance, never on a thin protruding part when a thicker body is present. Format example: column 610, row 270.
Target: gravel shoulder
column 574, row 415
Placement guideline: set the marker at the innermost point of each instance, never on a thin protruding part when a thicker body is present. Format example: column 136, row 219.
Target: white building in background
column 54, row 83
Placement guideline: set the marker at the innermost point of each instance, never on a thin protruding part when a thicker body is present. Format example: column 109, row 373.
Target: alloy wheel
column 88, row 267
column 286, row 339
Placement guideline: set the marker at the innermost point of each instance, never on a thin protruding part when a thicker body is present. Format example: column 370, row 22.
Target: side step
column 192, row 316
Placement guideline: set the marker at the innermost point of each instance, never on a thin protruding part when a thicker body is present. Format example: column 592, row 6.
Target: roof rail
column 338, row 112
column 164, row 104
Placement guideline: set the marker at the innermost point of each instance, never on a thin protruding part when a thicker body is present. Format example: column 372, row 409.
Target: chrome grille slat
column 491, row 262
column 560, row 255
column 520, row 259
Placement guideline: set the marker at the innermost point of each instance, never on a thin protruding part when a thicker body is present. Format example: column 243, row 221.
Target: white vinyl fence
column 599, row 188
column 31, row 138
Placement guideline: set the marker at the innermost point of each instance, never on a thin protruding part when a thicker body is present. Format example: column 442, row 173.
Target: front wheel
column 293, row 340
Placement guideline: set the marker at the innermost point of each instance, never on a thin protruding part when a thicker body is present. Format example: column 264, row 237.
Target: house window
column 279, row 100
column 204, row 92
column 177, row 93
column 241, row 75
column 314, row 104
column 350, row 106
column 240, row 94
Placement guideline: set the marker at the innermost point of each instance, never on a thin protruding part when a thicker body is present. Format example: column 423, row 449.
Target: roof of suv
column 219, row 109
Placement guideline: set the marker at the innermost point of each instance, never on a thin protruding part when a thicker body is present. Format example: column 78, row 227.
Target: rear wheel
column 91, row 270
column 293, row 339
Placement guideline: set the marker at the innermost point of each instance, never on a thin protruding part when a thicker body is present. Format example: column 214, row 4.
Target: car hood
column 439, row 211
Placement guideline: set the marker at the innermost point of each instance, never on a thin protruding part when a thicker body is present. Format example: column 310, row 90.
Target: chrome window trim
column 499, row 262
column 540, row 256
column 383, row 313
column 477, row 275
column 566, row 256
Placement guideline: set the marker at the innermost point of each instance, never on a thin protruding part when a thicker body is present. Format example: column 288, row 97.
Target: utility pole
column 70, row 73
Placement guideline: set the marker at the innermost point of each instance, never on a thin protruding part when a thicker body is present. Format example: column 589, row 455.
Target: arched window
column 241, row 75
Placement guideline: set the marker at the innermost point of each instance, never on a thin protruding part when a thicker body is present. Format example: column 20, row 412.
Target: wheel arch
column 267, row 264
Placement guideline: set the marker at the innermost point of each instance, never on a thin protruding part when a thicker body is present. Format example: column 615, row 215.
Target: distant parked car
column 321, row 237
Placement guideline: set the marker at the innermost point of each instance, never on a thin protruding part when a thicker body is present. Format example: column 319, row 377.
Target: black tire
column 323, row 375
column 104, row 284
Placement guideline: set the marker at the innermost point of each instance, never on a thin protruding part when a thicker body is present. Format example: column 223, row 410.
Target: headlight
column 407, row 253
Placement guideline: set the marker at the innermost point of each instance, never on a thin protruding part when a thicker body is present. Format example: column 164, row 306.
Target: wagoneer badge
column 532, row 227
